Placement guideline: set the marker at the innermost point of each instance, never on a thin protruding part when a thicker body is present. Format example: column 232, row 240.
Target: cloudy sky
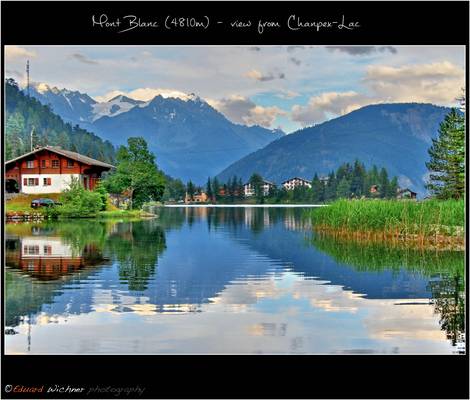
column 273, row 86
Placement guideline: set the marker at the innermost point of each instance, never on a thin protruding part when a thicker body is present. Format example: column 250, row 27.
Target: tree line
column 350, row 180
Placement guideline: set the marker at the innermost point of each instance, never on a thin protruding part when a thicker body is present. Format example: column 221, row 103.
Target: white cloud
column 258, row 76
column 437, row 83
column 13, row 52
column 335, row 103
column 242, row 110
column 287, row 94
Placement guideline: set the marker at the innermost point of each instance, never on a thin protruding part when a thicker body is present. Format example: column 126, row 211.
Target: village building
column 374, row 189
column 200, row 197
column 324, row 179
column 249, row 189
column 406, row 194
column 50, row 169
column 292, row 183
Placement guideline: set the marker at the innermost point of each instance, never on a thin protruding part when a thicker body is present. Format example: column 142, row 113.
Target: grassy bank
column 20, row 208
column 431, row 222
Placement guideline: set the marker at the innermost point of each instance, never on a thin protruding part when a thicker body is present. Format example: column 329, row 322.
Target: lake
column 224, row 281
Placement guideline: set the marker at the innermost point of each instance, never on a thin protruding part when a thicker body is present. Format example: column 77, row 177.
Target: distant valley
column 395, row 136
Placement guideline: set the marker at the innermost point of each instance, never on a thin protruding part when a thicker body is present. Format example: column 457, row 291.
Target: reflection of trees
column 20, row 300
column 136, row 246
column 446, row 270
column 448, row 295
column 372, row 256
column 170, row 218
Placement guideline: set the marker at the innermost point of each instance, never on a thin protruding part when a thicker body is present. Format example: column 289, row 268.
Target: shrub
column 78, row 202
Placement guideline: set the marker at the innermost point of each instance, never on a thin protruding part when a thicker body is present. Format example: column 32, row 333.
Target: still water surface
column 224, row 280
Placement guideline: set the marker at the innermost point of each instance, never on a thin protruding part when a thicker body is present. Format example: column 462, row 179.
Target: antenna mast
column 27, row 77
column 32, row 135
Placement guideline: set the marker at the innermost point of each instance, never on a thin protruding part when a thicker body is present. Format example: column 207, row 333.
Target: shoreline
column 244, row 205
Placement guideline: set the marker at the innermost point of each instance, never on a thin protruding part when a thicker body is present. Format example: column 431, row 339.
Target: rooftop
column 67, row 153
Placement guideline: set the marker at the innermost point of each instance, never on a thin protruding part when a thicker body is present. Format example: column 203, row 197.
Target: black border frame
column 358, row 376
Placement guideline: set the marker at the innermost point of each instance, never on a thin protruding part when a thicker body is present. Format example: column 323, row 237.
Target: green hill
column 23, row 113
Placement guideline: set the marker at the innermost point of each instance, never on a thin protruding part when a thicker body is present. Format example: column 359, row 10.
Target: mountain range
column 191, row 140
column 395, row 136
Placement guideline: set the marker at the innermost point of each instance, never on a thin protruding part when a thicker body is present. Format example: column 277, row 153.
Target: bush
column 101, row 190
column 78, row 202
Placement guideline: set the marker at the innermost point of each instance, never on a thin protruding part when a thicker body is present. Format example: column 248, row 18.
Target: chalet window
column 47, row 250
column 31, row 181
column 55, row 164
column 69, row 163
column 44, row 163
column 30, row 164
column 47, row 181
column 31, row 250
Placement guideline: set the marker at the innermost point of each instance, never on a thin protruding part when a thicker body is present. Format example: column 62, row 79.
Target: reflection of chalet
column 49, row 258
column 50, row 169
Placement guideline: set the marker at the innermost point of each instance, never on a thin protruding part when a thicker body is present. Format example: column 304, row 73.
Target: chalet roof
column 403, row 190
column 66, row 153
column 296, row 177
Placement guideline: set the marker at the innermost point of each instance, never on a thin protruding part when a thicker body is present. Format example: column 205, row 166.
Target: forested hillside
column 25, row 114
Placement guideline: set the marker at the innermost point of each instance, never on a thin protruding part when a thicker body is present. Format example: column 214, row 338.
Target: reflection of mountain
column 204, row 252
column 290, row 248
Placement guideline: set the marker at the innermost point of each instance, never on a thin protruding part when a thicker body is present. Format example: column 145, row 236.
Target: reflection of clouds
column 279, row 314
column 329, row 298
column 246, row 292
column 403, row 321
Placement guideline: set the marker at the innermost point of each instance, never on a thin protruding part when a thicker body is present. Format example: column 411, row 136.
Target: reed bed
column 424, row 223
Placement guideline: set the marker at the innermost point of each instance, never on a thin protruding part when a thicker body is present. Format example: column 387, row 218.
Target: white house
column 50, row 169
column 292, row 183
column 250, row 190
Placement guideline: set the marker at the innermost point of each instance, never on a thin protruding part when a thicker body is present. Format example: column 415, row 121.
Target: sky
column 286, row 87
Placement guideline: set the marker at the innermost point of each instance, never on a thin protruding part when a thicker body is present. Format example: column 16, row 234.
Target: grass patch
column 124, row 214
column 22, row 202
column 392, row 219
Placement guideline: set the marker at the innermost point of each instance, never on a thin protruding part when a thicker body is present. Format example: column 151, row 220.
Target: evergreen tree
column 216, row 189
column 257, row 181
column 358, row 177
column 331, row 186
column 383, row 183
column 190, row 189
column 392, row 188
column 209, row 189
column 241, row 193
column 318, row 189
column 344, row 189
column 447, row 163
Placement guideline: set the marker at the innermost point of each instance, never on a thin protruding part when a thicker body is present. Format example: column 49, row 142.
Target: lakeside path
column 247, row 205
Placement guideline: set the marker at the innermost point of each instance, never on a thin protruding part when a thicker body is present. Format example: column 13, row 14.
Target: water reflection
column 223, row 280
